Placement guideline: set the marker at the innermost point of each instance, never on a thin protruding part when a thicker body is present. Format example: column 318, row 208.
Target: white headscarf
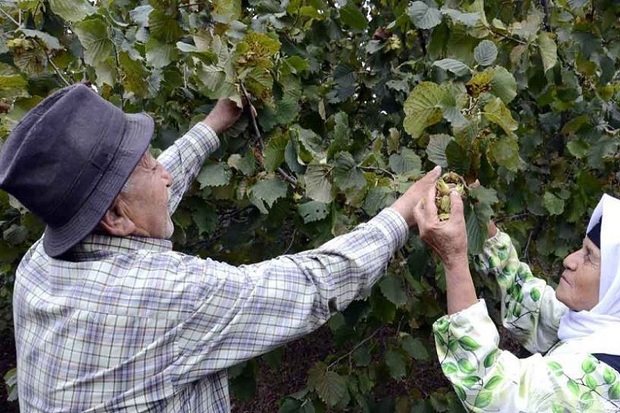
column 598, row 330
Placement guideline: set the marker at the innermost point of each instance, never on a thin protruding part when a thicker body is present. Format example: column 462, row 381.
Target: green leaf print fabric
column 487, row 379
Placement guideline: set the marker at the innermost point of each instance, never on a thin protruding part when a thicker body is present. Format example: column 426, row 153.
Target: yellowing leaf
column 229, row 9
column 495, row 111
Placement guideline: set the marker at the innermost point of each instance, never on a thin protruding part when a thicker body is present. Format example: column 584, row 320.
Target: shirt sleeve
column 184, row 159
column 248, row 310
column 487, row 379
column 529, row 308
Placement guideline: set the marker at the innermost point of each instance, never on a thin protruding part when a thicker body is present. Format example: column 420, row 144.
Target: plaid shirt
column 130, row 325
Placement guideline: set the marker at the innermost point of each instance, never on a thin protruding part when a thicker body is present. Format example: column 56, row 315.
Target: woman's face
column 579, row 283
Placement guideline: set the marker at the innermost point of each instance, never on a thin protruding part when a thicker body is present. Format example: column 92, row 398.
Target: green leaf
column 72, row 10
column 468, row 343
column 353, row 17
column 414, row 347
column 318, row 183
column 467, row 19
column 329, row 385
column 15, row 234
column 164, row 26
column 504, row 85
column 140, row 14
column 298, row 64
column 548, row 50
column 405, row 163
column 423, row 16
column 602, row 149
column 347, row 175
column 135, row 75
column 423, row 107
column 495, row 111
column 458, row 159
column 505, row 152
column 205, row 218
column 160, row 54
column 553, row 204
column 50, row 41
column 436, row 149
column 392, row 289
column 216, row 174
column 246, row 164
column 313, row 211
column 577, row 148
column 485, row 53
column 93, row 35
column 396, row 364
column 452, row 65
column 485, row 195
column 266, row 192
column 274, row 151
column 535, row 294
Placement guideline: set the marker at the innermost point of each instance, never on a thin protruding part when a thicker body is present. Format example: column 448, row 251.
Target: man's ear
column 116, row 221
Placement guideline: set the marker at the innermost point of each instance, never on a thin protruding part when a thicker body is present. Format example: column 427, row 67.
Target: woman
column 573, row 332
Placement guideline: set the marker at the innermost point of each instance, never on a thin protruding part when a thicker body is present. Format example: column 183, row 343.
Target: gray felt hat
column 67, row 160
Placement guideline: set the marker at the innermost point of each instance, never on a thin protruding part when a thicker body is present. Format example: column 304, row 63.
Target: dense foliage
column 355, row 99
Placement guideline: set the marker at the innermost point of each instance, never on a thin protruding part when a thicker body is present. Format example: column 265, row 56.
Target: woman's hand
column 447, row 238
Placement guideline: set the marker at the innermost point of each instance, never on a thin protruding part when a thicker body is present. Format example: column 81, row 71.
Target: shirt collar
column 96, row 246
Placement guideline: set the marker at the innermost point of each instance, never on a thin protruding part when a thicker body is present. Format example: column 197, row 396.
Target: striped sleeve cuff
column 393, row 226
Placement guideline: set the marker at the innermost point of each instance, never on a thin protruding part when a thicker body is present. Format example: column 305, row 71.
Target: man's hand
column 223, row 115
column 407, row 201
column 447, row 238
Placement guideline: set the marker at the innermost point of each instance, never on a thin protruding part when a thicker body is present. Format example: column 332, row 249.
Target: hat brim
column 136, row 138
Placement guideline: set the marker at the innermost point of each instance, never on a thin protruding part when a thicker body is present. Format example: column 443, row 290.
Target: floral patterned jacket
column 487, row 379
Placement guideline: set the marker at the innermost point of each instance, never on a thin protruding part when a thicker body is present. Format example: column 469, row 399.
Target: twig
column 290, row 245
column 505, row 36
column 10, row 18
column 252, row 111
column 358, row 345
column 51, row 62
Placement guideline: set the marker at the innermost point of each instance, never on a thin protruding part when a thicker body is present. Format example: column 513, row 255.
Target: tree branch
column 259, row 137
column 10, row 18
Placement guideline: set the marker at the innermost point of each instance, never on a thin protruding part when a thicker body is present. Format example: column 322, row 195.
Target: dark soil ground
column 7, row 362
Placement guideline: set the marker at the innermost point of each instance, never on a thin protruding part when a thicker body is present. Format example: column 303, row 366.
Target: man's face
column 579, row 284
column 147, row 199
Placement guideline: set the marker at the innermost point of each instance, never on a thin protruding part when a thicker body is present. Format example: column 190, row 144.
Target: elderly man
column 107, row 316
